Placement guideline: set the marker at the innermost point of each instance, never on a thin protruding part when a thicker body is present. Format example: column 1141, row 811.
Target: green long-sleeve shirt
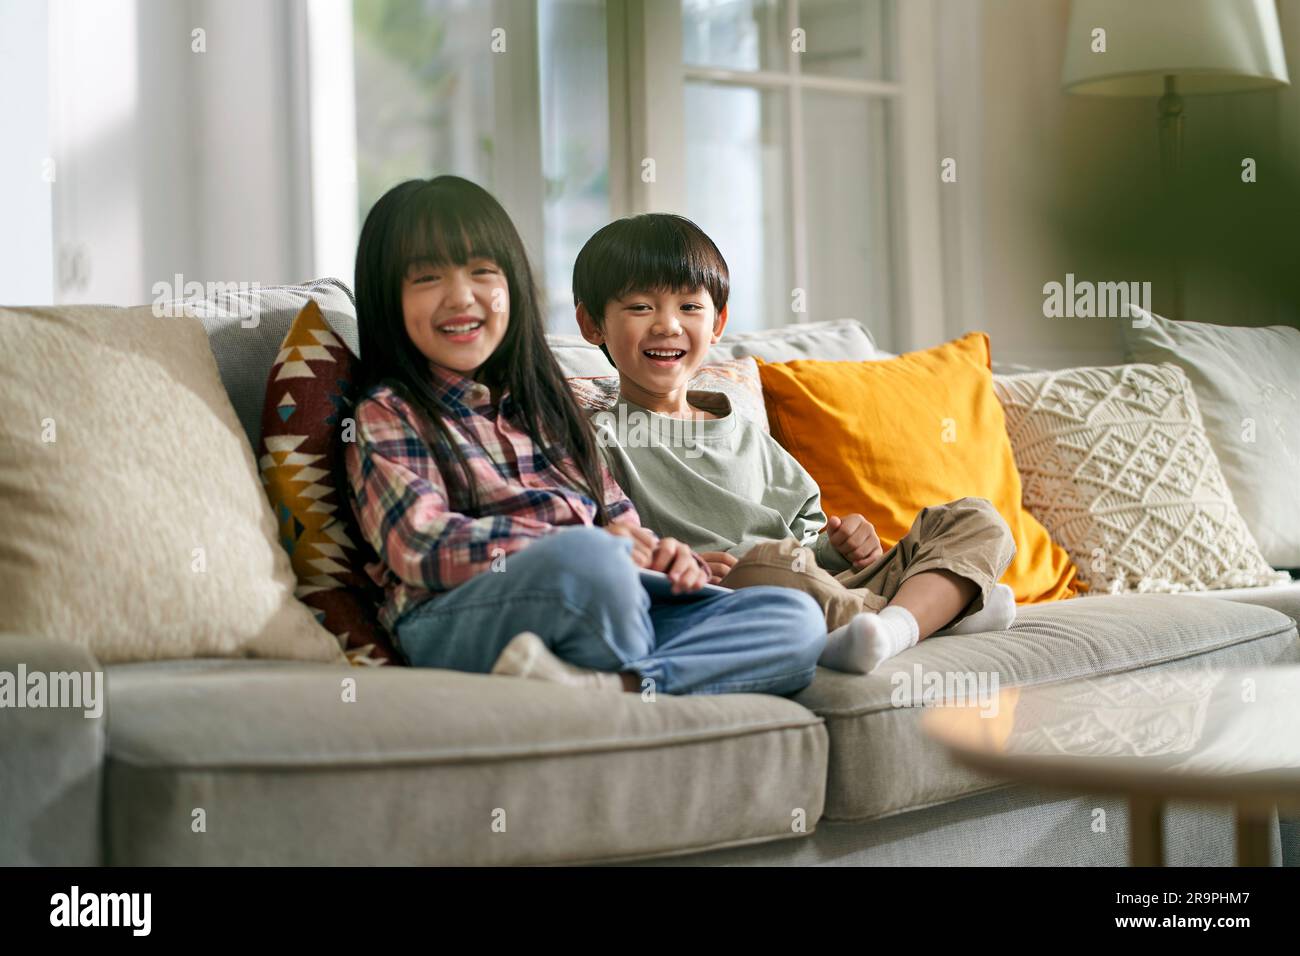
column 717, row 484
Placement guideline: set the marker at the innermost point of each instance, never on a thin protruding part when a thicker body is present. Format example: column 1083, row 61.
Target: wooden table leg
column 1146, row 833
column 1254, row 837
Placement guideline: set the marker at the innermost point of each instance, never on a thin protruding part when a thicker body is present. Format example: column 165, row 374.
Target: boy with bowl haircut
column 651, row 292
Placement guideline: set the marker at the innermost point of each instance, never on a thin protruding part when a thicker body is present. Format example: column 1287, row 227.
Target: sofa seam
column 603, row 747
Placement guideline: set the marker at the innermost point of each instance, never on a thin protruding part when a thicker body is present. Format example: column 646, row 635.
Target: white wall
column 1272, row 120
column 1019, row 167
column 1023, row 147
column 26, row 261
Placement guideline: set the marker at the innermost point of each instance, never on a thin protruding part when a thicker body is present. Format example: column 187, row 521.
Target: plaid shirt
column 426, row 540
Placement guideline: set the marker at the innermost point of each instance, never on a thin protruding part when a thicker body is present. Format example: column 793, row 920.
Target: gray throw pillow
column 1247, row 384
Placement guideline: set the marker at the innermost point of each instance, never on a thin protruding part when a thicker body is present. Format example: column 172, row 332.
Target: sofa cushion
column 423, row 764
column 880, row 761
column 1284, row 597
column 132, row 520
column 309, row 394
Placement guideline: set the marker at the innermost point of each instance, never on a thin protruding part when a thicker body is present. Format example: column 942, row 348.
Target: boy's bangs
column 673, row 267
column 653, row 252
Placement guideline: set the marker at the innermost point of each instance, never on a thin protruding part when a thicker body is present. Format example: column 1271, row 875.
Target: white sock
column 860, row 646
column 997, row 614
column 528, row 656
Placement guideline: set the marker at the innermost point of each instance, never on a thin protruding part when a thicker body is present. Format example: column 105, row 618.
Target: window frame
column 647, row 76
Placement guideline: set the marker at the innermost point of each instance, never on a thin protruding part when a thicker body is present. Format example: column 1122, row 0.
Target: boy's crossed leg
column 941, row 577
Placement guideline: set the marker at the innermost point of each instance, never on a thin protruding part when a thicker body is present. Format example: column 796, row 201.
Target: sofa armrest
column 51, row 757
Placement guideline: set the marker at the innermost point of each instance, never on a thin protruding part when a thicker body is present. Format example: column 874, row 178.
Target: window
column 527, row 120
column 424, row 90
column 575, row 142
column 786, row 131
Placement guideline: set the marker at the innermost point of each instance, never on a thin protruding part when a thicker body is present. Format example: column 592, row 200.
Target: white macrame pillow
column 1116, row 464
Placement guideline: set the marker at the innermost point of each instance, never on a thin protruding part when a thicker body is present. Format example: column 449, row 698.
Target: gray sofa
column 439, row 767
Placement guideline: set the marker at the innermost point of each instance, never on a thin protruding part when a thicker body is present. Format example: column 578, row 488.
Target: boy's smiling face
column 658, row 340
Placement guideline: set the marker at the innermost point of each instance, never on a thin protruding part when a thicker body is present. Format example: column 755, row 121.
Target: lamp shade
column 1210, row 46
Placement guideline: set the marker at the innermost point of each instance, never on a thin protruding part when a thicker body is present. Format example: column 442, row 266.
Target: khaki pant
column 967, row 537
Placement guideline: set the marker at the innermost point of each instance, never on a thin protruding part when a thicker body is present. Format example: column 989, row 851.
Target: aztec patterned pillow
column 1115, row 462
column 308, row 393
column 738, row 379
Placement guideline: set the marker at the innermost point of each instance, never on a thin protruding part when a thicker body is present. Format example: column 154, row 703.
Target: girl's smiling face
column 456, row 315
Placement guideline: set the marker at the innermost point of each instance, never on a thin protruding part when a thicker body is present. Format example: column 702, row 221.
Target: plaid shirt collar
column 459, row 391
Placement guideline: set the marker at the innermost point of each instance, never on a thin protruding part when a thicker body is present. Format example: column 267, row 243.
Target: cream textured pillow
column 1114, row 461
column 132, row 520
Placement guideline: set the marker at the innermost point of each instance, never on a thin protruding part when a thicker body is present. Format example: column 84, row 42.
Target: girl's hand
column 720, row 564
column 854, row 538
column 643, row 542
column 684, row 569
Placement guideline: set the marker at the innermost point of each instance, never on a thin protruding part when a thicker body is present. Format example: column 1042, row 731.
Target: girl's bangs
column 439, row 233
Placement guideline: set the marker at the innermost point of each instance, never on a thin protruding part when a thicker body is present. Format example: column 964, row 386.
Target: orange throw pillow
column 888, row 438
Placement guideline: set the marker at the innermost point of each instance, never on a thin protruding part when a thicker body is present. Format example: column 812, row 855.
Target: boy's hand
column 643, row 542
column 720, row 564
column 854, row 538
column 680, row 563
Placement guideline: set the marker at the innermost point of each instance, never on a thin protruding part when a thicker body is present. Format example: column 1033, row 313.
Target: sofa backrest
column 245, row 329
column 839, row 340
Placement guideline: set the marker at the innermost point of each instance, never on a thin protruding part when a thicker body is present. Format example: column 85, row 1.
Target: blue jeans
column 580, row 592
